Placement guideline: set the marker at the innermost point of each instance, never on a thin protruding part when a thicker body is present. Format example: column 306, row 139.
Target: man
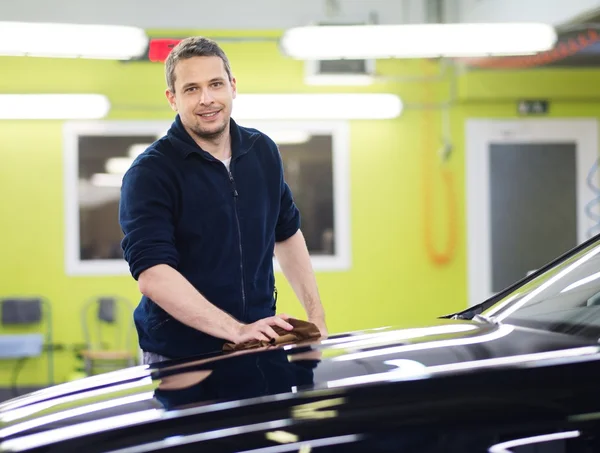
column 203, row 211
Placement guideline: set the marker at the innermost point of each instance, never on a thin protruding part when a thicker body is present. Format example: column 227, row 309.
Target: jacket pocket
column 159, row 323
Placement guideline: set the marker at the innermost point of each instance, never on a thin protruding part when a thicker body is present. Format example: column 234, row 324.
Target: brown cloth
column 303, row 331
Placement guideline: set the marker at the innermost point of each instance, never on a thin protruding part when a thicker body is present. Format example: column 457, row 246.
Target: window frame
column 72, row 130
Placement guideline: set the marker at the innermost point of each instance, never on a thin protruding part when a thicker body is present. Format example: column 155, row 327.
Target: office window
column 97, row 154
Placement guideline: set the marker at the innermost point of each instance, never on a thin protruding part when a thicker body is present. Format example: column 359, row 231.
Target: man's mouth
column 209, row 114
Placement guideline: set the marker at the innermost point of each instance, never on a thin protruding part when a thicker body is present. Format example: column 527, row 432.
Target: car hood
column 142, row 393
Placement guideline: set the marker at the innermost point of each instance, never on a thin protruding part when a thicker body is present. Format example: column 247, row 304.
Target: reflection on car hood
column 145, row 393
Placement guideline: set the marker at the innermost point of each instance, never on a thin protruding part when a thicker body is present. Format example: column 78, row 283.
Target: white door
column 532, row 187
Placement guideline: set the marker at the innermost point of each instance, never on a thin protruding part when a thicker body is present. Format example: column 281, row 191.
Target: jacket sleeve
column 288, row 222
column 146, row 216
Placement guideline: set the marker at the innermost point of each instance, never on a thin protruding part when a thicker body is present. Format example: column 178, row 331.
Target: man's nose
column 206, row 98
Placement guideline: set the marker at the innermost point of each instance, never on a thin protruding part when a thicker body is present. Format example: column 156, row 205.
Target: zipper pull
column 235, row 192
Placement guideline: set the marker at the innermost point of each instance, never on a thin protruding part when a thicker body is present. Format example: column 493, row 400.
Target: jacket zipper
column 237, row 220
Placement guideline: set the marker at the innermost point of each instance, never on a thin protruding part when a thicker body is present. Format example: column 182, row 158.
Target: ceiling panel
column 202, row 14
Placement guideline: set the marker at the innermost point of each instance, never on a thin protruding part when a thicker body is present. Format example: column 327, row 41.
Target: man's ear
column 234, row 87
column 171, row 98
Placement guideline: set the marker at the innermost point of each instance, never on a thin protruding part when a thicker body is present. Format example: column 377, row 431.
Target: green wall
column 392, row 280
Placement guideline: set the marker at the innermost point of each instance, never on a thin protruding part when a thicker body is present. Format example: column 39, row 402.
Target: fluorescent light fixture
column 53, row 106
column 72, row 40
column 317, row 106
column 416, row 41
column 118, row 165
column 90, row 196
column 289, row 137
column 136, row 149
column 106, row 180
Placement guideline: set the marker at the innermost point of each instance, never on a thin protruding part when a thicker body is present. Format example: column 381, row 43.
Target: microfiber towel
column 303, row 331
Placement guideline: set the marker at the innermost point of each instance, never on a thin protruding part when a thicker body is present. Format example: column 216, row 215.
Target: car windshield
column 564, row 298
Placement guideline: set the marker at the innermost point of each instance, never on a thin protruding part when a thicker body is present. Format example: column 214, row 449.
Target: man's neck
column 219, row 147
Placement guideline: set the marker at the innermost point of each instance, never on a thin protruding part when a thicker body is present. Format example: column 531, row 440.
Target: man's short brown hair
column 195, row 46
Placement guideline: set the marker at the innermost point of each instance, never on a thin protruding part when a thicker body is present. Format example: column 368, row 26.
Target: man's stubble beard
column 209, row 135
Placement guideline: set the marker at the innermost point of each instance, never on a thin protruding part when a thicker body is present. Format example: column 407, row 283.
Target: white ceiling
column 555, row 12
column 202, row 14
column 280, row 14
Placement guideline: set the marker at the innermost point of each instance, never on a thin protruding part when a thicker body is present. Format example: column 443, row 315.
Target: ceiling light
column 106, row 180
column 317, row 106
column 137, row 148
column 72, row 40
column 53, row 106
column 118, row 165
column 416, row 41
column 90, row 195
column 289, row 137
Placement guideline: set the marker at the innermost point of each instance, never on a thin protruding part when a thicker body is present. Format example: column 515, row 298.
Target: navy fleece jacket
column 181, row 207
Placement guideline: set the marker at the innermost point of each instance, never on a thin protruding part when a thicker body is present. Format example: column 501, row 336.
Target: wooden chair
column 108, row 331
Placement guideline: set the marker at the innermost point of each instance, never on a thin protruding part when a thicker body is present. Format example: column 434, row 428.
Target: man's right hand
column 262, row 330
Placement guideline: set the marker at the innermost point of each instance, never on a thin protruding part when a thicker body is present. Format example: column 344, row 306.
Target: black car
column 519, row 373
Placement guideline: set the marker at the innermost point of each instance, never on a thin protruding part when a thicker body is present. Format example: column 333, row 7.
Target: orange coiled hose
column 443, row 255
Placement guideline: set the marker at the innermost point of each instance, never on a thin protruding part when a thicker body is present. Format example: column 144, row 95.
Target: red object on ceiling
column 566, row 47
column 159, row 49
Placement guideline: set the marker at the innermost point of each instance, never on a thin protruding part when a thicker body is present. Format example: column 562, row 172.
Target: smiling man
column 203, row 210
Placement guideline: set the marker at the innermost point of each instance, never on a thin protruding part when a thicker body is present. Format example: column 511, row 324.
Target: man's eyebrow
column 193, row 84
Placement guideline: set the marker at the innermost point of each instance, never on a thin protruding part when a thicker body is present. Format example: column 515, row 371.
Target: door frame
column 479, row 135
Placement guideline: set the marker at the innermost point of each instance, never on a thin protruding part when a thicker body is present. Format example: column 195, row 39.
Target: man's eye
column 217, row 84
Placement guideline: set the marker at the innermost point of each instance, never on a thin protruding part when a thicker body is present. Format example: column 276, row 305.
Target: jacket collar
column 242, row 140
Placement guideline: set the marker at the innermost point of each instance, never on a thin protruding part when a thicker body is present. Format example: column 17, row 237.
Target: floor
column 9, row 393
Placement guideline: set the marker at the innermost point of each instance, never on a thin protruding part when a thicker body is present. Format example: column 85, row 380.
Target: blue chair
column 26, row 332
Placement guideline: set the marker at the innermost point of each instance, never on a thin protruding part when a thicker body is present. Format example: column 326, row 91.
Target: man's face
column 203, row 96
